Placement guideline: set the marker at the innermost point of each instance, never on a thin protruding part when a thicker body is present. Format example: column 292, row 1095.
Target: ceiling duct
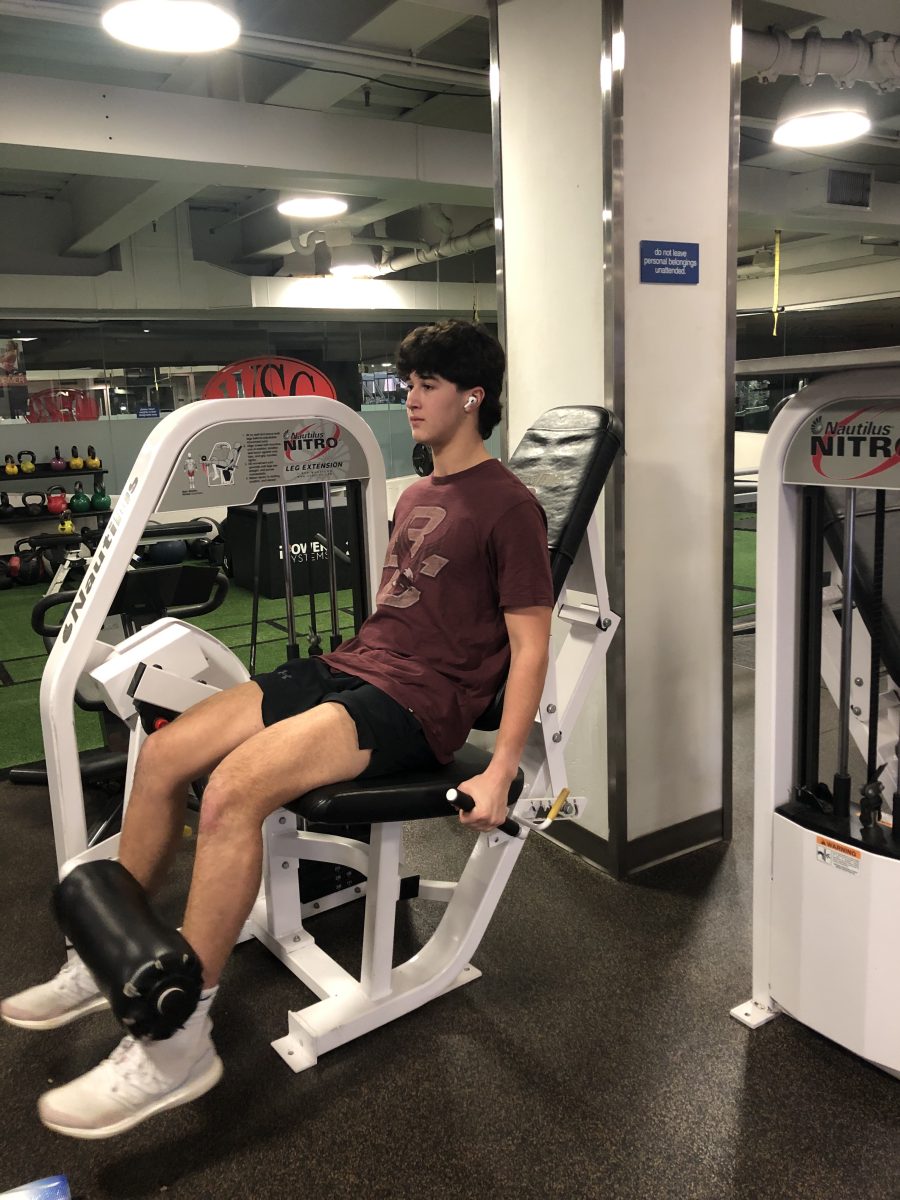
column 478, row 238
column 872, row 58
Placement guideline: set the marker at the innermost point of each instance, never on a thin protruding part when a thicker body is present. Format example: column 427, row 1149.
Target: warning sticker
column 836, row 854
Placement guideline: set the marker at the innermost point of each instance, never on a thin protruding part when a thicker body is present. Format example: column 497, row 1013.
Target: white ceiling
column 115, row 137
column 106, row 139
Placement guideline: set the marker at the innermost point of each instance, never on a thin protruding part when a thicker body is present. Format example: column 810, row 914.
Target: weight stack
column 318, row 879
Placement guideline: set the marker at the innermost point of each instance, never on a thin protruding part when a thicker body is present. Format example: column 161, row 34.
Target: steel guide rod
column 811, row 646
column 332, row 564
column 842, row 777
column 293, row 650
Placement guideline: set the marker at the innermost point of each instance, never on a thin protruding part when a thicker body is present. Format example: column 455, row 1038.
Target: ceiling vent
column 851, row 189
column 830, row 190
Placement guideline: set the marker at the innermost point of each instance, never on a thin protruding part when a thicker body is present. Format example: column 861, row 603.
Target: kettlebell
column 6, row 509
column 92, row 460
column 75, row 462
column 57, row 462
column 6, row 579
column 31, row 566
column 10, row 468
column 80, row 501
column 28, row 466
column 56, row 500
column 100, row 501
column 37, row 509
column 66, row 525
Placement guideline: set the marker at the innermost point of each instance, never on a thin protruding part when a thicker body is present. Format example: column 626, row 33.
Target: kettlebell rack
column 24, row 483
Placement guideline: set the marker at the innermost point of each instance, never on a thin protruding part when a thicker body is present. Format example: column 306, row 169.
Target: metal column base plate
column 753, row 1015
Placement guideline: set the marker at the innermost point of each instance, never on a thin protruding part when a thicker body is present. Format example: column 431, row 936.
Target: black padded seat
column 410, row 796
column 564, row 458
column 864, row 561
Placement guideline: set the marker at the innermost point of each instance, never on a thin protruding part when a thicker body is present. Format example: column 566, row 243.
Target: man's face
column 434, row 408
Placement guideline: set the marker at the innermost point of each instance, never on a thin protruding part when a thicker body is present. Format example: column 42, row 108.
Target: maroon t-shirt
column 464, row 547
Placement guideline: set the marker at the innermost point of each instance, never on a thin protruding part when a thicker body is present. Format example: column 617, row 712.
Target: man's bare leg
column 269, row 769
column 172, row 758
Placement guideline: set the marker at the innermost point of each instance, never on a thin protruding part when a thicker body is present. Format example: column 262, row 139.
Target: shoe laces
column 74, row 980
column 135, row 1072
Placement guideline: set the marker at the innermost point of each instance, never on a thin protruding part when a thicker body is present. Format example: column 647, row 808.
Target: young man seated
column 465, row 600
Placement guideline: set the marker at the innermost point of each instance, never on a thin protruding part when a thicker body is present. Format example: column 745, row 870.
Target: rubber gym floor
column 594, row 1059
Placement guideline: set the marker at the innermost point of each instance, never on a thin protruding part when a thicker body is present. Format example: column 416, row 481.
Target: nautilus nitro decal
column 848, row 444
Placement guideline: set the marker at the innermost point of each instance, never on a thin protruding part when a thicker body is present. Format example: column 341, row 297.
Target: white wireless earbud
column 468, row 404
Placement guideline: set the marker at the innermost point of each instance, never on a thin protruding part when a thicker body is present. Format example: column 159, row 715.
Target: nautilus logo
column 311, row 441
column 853, row 443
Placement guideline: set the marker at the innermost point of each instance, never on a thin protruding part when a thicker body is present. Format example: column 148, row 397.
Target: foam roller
column 148, row 971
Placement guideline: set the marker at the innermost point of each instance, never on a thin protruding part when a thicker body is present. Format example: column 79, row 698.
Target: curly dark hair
column 467, row 354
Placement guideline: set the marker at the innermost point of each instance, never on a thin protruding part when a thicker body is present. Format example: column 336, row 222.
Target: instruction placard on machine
column 836, row 854
column 229, row 463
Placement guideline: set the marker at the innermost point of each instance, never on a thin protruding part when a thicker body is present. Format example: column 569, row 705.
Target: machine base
column 353, row 1016
column 832, row 962
column 752, row 1014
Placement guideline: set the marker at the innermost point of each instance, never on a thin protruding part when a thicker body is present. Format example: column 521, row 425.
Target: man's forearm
column 524, row 686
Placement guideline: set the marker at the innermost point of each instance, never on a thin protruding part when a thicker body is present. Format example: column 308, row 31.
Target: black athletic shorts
column 383, row 726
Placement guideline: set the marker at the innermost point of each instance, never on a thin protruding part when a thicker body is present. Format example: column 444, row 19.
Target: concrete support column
column 550, row 260
column 655, row 81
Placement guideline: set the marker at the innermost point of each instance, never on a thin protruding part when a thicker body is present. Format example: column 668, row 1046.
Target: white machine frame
column 823, row 909
column 189, row 664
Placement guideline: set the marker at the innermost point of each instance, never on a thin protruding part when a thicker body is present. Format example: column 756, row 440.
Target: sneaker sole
column 187, row 1092
column 66, row 1018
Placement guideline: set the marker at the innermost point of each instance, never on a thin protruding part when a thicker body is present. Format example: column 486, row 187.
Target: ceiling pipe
column 872, row 58
column 284, row 49
column 478, row 238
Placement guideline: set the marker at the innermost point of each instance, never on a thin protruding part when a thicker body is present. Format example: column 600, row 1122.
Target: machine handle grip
column 38, row 624
column 460, row 800
column 45, row 541
column 205, row 606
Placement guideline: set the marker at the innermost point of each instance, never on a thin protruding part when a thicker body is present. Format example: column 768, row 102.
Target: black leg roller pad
column 148, row 972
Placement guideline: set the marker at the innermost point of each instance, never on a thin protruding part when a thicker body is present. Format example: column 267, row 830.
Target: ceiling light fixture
column 172, row 26
column 350, row 262
column 311, row 207
column 820, row 114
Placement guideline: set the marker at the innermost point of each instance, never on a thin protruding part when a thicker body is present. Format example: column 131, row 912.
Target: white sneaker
column 132, row 1085
column 70, row 994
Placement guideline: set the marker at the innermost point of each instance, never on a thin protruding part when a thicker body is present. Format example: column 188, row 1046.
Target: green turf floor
column 22, row 658
column 744, row 574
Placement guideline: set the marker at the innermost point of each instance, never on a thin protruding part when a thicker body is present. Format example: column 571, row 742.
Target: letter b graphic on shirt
column 400, row 590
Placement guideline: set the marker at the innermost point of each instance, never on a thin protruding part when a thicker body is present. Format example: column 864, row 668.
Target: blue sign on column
column 670, row 262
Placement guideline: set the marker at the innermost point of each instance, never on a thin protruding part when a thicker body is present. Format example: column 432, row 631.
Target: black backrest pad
column 565, row 458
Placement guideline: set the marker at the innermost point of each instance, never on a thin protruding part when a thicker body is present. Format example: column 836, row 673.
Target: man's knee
column 225, row 803
column 157, row 754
